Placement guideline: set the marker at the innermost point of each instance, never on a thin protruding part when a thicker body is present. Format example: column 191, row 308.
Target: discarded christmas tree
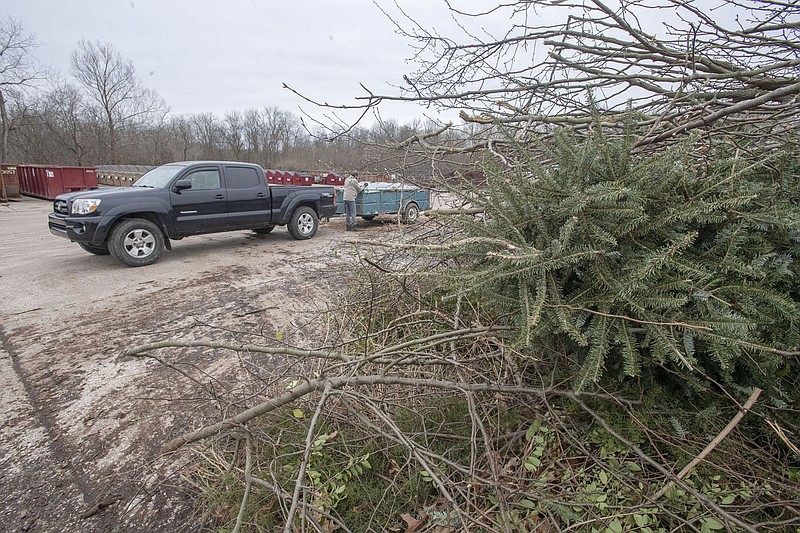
column 656, row 266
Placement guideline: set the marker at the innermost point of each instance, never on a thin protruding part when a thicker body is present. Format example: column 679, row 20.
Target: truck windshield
column 159, row 177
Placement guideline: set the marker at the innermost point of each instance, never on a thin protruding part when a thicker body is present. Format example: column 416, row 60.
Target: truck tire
column 136, row 242
column 304, row 223
column 410, row 213
column 95, row 249
column 264, row 230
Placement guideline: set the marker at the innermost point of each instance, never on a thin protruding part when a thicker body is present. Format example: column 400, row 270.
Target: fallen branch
column 705, row 500
column 713, row 444
column 248, row 483
column 782, row 435
column 357, row 381
column 301, row 472
column 308, row 509
column 707, row 120
column 139, row 350
column 455, row 211
column 380, row 357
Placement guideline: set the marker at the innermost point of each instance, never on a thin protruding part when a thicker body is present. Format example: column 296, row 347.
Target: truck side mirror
column 181, row 185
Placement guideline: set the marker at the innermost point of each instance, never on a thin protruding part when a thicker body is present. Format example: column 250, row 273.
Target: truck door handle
column 220, row 197
column 261, row 195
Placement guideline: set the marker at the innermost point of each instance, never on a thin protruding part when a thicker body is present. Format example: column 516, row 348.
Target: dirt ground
column 81, row 424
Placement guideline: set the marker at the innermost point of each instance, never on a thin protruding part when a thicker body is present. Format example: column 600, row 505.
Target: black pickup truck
column 176, row 200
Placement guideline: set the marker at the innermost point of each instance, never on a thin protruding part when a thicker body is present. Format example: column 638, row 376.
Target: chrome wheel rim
column 412, row 214
column 139, row 243
column 305, row 223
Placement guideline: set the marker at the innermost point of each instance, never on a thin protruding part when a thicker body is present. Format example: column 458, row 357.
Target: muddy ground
column 81, row 423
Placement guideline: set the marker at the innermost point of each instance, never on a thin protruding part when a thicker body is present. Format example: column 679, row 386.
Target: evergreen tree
column 650, row 266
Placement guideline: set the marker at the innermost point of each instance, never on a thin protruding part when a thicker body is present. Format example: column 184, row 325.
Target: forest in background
column 103, row 114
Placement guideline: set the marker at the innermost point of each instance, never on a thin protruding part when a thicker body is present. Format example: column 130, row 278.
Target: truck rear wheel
column 96, row 250
column 136, row 242
column 304, row 223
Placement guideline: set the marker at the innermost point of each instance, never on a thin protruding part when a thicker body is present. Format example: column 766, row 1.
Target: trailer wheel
column 368, row 217
column 304, row 223
column 136, row 242
column 264, row 230
column 410, row 213
column 96, row 250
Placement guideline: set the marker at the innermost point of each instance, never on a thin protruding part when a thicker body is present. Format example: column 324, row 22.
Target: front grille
column 58, row 223
column 60, row 206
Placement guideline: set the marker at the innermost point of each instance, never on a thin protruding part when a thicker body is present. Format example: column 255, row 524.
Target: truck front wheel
column 136, row 242
column 304, row 223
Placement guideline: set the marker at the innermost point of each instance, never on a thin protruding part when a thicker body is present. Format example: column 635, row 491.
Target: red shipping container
column 27, row 180
column 334, row 179
column 23, row 178
column 282, row 177
column 303, row 178
column 9, row 184
column 48, row 181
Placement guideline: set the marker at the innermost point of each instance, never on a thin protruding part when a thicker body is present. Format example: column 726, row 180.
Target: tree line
column 102, row 113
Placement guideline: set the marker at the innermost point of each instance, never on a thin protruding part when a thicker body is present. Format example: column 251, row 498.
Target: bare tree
column 234, row 138
column 112, row 83
column 672, row 67
column 65, row 119
column 253, row 124
column 30, row 140
column 17, row 72
column 155, row 142
column 183, row 136
column 208, row 131
column 281, row 130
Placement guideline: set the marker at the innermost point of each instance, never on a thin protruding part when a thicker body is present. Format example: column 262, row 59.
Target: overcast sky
column 222, row 55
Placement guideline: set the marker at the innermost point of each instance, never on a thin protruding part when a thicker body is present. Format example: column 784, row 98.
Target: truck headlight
column 84, row 206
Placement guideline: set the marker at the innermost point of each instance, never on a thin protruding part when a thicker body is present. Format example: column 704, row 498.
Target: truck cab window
column 204, row 180
column 241, row 178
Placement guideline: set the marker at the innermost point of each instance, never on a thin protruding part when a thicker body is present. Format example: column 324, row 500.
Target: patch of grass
column 364, row 478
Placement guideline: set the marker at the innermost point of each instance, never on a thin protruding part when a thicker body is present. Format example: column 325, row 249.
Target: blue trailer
column 388, row 198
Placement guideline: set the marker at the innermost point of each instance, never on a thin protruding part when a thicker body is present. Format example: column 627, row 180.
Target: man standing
column 351, row 189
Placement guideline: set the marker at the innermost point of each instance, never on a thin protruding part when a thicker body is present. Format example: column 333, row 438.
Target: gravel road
column 81, row 424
